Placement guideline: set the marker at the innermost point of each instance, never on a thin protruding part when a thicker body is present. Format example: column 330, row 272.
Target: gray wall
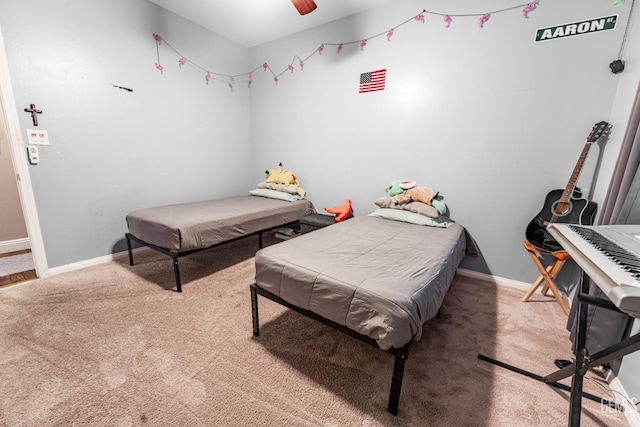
column 485, row 115
column 173, row 139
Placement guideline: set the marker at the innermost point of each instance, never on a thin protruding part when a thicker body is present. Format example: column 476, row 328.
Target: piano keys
column 610, row 256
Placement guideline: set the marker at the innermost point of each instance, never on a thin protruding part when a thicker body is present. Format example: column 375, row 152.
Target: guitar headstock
column 599, row 130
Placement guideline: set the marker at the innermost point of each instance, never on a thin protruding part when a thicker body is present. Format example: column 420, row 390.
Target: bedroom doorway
column 19, row 171
column 16, row 260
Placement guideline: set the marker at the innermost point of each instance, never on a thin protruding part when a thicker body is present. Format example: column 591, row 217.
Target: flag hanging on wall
column 372, row 81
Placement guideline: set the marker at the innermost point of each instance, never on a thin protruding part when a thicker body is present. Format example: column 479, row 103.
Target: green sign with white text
column 577, row 28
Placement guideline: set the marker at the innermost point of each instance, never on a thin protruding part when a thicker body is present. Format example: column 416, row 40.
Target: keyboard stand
column 583, row 361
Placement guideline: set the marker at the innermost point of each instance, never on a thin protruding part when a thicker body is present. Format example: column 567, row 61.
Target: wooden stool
column 547, row 274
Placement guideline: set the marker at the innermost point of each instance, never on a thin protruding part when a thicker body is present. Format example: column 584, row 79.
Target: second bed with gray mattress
column 378, row 277
column 198, row 225
column 181, row 229
column 375, row 279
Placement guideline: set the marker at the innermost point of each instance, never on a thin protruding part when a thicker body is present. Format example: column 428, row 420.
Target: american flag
column 372, row 81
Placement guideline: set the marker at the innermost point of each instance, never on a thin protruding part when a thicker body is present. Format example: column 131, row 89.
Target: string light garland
column 231, row 79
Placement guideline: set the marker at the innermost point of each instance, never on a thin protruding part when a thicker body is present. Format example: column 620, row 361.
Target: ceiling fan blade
column 304, row 6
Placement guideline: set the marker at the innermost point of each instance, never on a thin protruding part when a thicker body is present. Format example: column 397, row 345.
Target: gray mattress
column 379, row 277
column 198, row 225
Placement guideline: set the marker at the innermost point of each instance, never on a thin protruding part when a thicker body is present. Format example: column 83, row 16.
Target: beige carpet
column 113, row 345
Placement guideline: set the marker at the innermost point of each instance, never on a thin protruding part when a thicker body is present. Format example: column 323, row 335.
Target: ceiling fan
column 304, row 6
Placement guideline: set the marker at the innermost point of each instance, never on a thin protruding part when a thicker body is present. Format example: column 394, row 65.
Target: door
column 20, row 172
column 16, row 261
column 12, row 225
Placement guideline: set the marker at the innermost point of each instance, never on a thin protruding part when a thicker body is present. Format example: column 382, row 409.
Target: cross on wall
column 34, row 113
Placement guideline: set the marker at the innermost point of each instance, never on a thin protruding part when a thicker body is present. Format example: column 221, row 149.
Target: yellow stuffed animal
column 281, row 176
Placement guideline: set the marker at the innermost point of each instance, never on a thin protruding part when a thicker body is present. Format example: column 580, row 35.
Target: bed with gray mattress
column 181, row 229
column 373, row 278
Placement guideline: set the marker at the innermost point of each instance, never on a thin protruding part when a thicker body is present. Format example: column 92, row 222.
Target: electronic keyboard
column 610, row 256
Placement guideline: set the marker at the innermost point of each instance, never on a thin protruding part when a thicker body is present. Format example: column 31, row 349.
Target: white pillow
column 417, row 207
column 412, row 217
column 273, row 194
column 291, row 189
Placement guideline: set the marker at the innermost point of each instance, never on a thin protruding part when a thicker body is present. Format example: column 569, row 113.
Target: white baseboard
column 504, row 282
column 15, row 245
column 494, row 279
column 94, row 261
column 108, row 258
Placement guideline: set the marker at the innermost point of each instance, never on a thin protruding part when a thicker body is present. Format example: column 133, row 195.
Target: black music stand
column 583, row 361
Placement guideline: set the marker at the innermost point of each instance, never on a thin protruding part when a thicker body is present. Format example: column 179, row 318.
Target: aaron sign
column 576, row 28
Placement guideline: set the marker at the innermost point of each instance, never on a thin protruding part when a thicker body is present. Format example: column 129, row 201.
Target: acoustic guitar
column 566, row 206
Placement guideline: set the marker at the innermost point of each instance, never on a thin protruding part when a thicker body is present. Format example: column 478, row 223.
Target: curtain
column 621, row 202
column 621, row 206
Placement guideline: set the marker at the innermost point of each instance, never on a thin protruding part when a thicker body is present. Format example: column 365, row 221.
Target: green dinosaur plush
column 405, row 191
column 439, row 205
column 399, row 186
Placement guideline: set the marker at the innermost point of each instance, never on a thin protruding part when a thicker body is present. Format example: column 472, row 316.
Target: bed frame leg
column 129, row 247
column 396, row 383
column 176, row 271
column 254, row 310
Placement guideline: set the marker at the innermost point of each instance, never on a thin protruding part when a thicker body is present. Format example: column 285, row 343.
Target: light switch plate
column 37, row 137
column 34, row 156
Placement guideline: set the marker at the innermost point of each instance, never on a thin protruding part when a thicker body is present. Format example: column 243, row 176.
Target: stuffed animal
column 406, row 191
column 282, row 176
column 342, row 212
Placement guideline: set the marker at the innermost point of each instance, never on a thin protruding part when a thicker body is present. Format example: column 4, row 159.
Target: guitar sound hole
column 560, row 208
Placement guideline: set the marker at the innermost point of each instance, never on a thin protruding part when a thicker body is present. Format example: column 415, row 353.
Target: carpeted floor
column 114, row 345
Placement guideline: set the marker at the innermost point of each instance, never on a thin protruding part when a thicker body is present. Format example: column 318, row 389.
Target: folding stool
column 548, row 273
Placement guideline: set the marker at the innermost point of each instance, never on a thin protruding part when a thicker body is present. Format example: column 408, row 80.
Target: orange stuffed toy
column 341, row 212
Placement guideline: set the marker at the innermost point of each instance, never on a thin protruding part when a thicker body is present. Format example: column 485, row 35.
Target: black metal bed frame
column 175, row 255
column 400, row 354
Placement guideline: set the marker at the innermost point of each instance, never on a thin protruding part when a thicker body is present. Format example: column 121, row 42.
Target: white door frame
column 21, row 167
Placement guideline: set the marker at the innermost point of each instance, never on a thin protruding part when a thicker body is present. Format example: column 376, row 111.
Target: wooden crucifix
column 34, row 113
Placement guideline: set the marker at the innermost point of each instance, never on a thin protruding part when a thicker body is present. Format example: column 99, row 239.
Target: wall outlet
column 37, row 137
